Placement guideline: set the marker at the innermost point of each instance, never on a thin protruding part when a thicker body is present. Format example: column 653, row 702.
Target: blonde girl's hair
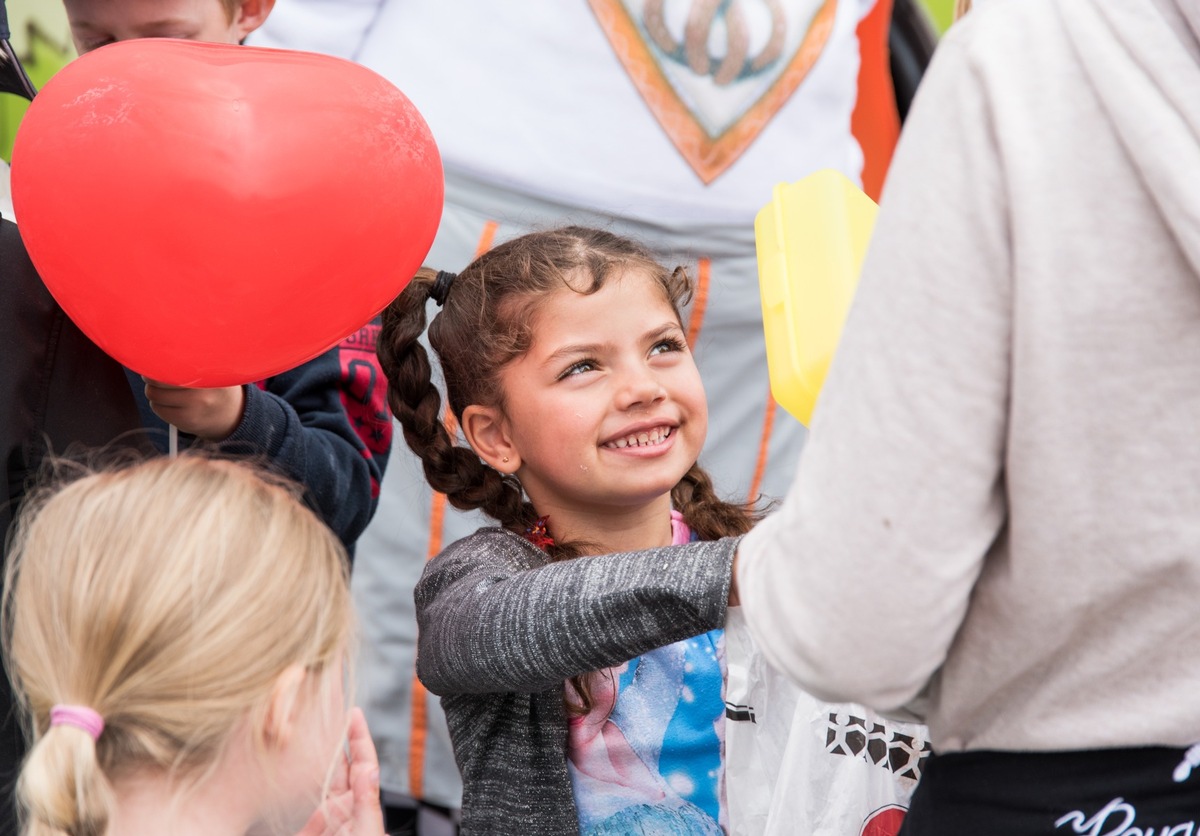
column 167, row 596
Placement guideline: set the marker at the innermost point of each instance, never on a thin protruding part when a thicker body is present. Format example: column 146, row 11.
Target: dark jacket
column 501, row 630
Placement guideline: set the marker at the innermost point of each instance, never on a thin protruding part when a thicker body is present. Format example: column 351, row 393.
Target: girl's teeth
column 651, row 437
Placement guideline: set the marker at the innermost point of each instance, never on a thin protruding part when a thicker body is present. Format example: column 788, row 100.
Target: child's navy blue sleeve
column 325, row 424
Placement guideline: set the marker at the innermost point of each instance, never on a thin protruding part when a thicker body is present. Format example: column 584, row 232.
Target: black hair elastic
column 441, row 287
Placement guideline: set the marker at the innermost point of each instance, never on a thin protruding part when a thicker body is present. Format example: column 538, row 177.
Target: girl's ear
column 283, row 707
column 250, row 15
column 487, row 433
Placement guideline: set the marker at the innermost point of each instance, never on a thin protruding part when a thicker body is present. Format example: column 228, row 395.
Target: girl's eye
column 578, row 368
column 669, row 344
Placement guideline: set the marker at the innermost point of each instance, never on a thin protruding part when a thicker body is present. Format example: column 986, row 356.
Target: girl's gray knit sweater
column 501, row 630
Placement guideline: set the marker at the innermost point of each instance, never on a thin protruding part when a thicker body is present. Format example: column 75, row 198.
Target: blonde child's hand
column 211, row 414
column 352, row 807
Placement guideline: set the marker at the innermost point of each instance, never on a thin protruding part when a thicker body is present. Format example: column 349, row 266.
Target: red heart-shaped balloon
column 211, row 215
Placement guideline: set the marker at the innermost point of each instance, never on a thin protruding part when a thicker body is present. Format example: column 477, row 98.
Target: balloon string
column 173, row 441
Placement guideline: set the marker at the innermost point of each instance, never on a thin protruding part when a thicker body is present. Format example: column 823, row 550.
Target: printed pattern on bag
column 886, row 821
column 878, row 745
column 739, row 713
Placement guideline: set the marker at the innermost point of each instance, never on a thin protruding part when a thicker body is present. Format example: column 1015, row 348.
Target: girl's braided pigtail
column 706, row 514
column 450, row 468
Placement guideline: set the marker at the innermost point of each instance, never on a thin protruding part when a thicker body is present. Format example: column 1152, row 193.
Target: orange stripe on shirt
column 700, row 302
column 764, row 443
column 419, row 730
column 419, row 708
column 486, row 239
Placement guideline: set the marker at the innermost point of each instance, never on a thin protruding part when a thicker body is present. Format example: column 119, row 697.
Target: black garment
column 57, row 389
column 422, row 819
column 1103, row 792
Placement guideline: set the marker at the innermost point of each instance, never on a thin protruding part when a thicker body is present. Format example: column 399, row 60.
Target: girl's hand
column 352, row 807
column 211, row 414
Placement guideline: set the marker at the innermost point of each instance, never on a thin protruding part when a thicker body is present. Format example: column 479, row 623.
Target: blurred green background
column 42, row 39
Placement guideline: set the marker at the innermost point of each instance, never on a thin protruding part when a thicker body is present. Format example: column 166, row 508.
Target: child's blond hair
column 168, row 597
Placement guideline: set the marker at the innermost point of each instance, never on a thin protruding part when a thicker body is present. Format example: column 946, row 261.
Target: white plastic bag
column 796, row 765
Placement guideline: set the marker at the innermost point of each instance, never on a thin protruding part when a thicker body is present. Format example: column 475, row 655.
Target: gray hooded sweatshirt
column 996, row 520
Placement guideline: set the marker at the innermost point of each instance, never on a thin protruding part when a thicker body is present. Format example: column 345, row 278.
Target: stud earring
column 505, row 460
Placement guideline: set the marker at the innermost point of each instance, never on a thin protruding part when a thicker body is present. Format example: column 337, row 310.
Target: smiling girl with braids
column 582, row 694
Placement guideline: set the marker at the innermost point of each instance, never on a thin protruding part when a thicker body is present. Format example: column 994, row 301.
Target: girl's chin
column 639, row 493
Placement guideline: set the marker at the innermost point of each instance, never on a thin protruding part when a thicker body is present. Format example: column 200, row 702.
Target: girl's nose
column 641, row 388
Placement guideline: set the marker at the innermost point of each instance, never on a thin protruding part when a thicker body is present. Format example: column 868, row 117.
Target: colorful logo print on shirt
column 714, row 72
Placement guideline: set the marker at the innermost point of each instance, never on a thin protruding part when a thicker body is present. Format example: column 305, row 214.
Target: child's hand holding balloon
column 211, row 414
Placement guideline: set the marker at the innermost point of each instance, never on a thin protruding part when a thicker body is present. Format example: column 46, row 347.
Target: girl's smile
column 642, row 440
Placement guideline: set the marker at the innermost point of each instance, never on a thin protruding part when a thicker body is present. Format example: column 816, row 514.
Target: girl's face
column 606, row 409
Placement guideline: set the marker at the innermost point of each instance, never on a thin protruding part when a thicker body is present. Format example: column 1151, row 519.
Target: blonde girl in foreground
column 161, row 689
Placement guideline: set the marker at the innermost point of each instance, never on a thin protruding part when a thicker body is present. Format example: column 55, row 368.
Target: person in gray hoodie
column 994, row 524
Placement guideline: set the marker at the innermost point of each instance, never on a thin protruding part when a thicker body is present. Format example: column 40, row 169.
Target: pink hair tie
column 79, row 716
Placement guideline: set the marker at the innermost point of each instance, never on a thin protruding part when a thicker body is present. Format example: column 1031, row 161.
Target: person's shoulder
column 488, row 555
column 492, row 544
column 995, row 23
column 976, row 56
column 17, row 273
column 492, row 535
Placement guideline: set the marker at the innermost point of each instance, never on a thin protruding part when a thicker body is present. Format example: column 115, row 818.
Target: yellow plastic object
column 811, row 239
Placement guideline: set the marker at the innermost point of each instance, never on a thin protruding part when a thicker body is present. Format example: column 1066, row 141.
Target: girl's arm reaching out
column 494, row 616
